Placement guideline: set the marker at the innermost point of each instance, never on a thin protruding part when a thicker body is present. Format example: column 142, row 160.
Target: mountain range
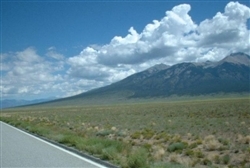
column 229, row 75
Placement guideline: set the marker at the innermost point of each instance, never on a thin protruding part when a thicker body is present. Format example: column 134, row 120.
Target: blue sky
column 62, row 48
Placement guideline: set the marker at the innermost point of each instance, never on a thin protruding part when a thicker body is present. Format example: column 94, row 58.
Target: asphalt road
column 20, row 149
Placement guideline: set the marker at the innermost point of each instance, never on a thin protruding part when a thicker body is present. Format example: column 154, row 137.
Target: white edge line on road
column 64, row 150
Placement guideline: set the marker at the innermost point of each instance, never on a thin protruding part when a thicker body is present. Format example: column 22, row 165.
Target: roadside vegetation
column 177, row 134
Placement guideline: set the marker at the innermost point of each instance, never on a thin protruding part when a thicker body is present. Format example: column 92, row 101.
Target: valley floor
column 159, row 134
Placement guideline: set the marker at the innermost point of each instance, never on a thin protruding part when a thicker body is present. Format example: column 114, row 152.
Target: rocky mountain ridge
column 230, row 74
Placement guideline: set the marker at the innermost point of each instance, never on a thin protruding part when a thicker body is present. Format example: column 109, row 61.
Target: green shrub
column 248, row 150
column 195, row 162
column 226, row 159
column 199, row 141
column 206, row 162
column 95, row 149
column 147, row 146
column 69, row 139
column 104, row 133
column 121, row 133
column 217, row 159
column 168, row 165
column 109, row 153
column 178, row 146
column 225, row 142
column 138, row 159
column 189, row 152
column 135, row 135
column 199, row 154
column 162, row 135
column 193, row 145
column 148, row 133
column 38, row 130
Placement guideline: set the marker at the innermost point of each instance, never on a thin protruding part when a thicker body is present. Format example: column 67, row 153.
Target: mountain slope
column 229, row 75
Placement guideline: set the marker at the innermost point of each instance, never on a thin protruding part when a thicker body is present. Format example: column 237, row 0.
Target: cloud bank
column 173, row 39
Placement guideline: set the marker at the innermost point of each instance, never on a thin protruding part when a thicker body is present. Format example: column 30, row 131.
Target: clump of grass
column 189, row 152
column 121, row 133
column 95, row 149
column 105, row 149
column 243, row 139
column 193, row 145
column 168, row 165
column 67, row 139
column 147, row 133
column 198, row 141
column 199, row 154
column 174, row 158
column 136, row 135
column 178, row 146
column 206, row 162
column 158, row 153
column 247, row 139
column 109, row 153
column 217, row 159
column 226, row 159
column 224, row 142
column 211, row 143
column 248, row 150
column 104, row 133
column 195, row 162
column 138, row 159
column 176, row 138
column 147, row 146
column 162, row 135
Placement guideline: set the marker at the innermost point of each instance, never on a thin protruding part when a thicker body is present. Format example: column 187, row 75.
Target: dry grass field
column 197, row 133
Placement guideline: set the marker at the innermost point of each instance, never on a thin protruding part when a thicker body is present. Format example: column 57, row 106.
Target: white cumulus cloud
column 226, row 30
column 28, row 73
column 173, row 39
column 124, row 56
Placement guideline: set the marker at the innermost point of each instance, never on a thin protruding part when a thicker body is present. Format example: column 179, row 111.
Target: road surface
column 20, row 149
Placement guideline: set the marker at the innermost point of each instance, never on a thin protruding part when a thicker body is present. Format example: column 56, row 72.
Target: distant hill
column 229, row 75
column 7, row 103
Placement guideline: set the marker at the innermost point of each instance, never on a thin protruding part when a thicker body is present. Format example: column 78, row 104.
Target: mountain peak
column 237, row 58
column 238, row 54
column 157, row 67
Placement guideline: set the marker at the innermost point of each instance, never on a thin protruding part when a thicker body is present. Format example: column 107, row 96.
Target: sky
column 63, row 48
